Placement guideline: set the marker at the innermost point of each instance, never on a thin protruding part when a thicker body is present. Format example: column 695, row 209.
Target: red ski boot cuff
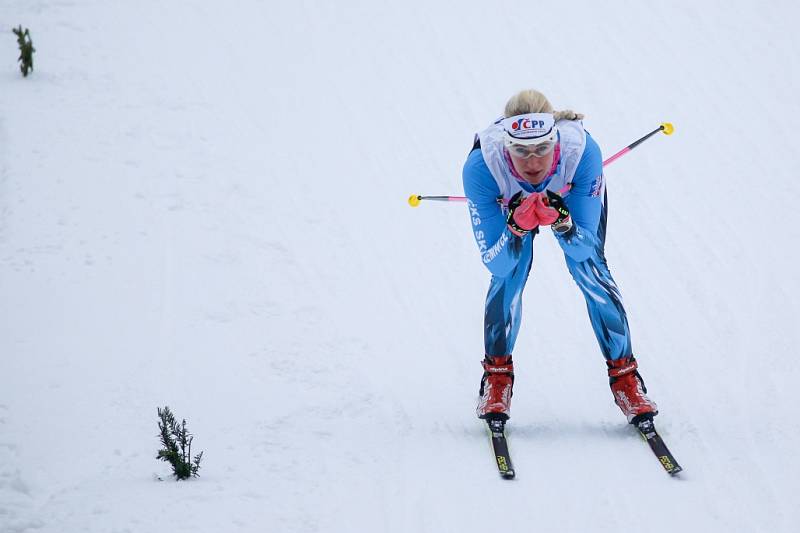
column 501, row 364
column 622, row 366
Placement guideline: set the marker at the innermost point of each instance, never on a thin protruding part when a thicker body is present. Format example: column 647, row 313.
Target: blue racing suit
column 509, row 257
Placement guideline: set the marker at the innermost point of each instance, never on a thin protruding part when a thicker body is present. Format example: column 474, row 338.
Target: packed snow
column 203, row 205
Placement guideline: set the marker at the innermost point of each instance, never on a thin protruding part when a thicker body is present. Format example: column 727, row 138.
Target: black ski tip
column 508, row 474
column 496, row 426
column 649, row 433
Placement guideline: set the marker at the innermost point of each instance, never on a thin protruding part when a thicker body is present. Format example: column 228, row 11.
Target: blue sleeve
column 499, row 248
column 585, row 204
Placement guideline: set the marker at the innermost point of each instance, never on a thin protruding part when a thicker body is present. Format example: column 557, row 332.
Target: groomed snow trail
column 204, row 206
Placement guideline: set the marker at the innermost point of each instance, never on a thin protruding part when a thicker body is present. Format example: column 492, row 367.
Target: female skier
column 531, row 168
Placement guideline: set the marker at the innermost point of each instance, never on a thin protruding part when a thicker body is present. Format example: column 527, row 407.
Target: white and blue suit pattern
column 509, row 258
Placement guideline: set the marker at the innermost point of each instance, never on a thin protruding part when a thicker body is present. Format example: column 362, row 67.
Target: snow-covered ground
column 203, row 205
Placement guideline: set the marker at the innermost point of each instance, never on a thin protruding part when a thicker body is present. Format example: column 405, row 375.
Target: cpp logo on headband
column 529, row 125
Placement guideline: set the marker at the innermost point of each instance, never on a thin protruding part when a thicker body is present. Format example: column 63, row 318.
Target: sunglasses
column 526, row 151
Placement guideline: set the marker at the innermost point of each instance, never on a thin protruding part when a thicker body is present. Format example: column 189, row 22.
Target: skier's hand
column 522, row 218
column 546, row 214
column 555, row 212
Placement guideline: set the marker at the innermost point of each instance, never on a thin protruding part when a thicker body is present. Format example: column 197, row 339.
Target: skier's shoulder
column 591, row 163
column 591, row 151
column 476, row 172
column 475, row 162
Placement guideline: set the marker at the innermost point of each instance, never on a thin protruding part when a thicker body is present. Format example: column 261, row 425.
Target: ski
column 648, row 432
column 497, row 434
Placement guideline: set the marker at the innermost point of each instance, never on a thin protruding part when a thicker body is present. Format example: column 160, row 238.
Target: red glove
column 546, row 214
column 522, row 213
column 563, row 223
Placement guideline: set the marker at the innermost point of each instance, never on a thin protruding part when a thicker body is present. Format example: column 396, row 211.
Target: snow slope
column 203, row 205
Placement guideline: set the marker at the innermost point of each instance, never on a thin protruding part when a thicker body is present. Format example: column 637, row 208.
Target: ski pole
column 415, row 199
column 665, row 127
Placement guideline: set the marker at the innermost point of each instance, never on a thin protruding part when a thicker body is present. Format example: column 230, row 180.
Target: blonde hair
column 532, row 101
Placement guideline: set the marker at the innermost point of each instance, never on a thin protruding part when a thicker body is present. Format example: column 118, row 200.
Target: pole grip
column 636, row 143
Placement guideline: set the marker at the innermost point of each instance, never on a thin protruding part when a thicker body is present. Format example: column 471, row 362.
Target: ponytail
column 533, row 101
column 567, row 114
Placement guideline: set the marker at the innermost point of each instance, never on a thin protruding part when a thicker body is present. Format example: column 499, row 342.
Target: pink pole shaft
column 617, row 156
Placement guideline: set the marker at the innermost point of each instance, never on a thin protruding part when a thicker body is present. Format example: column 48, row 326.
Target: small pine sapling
column 177, row 445
column 26, row 50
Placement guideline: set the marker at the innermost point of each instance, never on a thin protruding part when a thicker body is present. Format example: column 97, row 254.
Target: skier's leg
column 604, row 305
column 610, row 325
column 501, row 325
column 504, row 305
column 603, row 299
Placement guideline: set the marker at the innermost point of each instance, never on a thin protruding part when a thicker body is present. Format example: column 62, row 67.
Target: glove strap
column 514, row 227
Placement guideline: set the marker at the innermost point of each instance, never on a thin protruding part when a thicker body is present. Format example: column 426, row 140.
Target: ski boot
column 629, row 391
column 496, row 387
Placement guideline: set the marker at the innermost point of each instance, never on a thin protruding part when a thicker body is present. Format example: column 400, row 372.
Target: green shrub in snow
column 26, row 50
column 177, row 445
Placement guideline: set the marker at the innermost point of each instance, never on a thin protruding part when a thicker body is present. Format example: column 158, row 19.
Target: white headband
column 530, row 128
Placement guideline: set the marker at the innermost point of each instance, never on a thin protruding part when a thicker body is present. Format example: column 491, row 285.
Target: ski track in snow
column 204, row 207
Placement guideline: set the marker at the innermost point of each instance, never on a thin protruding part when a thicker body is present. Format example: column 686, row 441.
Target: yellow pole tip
column 413, row 200
column 668, row 128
